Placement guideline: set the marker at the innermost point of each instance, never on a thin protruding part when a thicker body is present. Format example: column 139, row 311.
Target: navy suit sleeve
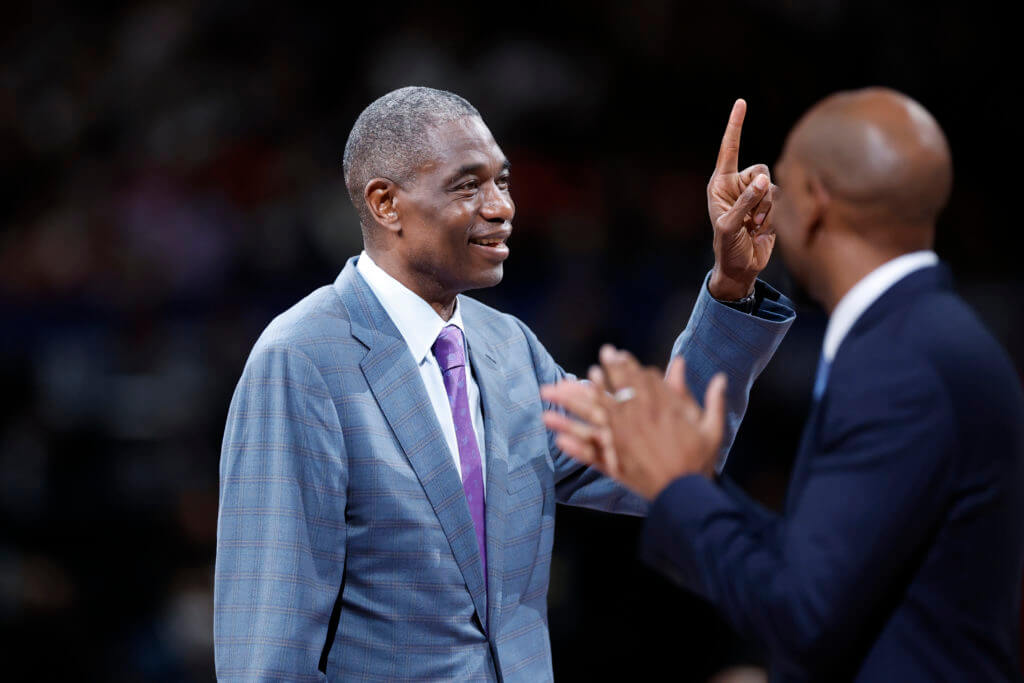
column 281, row 525
column 814, row 582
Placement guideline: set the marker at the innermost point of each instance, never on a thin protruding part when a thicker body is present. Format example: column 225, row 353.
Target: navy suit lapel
column 902, row 293
column 493, row 397
column 808, row 444
column 394, row 379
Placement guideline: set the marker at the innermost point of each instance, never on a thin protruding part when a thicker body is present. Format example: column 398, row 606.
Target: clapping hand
column 636, row 427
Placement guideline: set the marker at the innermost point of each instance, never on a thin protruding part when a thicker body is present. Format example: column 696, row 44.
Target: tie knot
column 448, row 348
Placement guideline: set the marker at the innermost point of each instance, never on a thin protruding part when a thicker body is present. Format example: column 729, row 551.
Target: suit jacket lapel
column 394, row 379
column 493, row 397
column 808, row 443
column 904, row 292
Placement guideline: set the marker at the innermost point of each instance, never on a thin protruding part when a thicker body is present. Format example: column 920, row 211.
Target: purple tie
column 451, row 356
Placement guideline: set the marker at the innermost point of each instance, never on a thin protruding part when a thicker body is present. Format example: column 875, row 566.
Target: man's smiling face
column 456, row 213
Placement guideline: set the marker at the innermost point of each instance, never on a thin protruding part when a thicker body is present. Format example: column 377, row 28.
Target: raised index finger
column 729, row 152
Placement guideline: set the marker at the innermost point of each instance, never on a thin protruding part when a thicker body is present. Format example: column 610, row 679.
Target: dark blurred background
column 171, row 180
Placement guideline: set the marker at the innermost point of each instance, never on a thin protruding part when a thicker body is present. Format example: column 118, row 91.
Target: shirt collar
column 866, row 292
column 417, row 322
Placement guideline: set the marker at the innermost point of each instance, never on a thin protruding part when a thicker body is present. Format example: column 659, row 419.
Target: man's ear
column 818, row 199
column 380, row 195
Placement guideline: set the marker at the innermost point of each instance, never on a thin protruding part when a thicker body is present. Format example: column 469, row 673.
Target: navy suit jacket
column 899, row 554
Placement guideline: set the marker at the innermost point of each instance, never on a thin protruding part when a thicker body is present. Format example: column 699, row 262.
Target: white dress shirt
column 866, row 292
column 419, row 325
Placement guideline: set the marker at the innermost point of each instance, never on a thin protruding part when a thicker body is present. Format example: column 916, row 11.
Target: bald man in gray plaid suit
column 388, row 488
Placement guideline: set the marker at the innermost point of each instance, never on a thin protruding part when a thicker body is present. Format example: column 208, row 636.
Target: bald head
column 878, row 151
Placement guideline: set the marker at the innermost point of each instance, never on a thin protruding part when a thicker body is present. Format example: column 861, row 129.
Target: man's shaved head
column 862, row 179
column 878, row 150
column 390, row 139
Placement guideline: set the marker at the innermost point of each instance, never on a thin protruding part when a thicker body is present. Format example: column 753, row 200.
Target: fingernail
column 761, row 181
column 607, row 352
column 759, row 218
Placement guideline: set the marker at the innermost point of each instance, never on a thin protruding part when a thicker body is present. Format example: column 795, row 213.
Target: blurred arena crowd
column 172, row 181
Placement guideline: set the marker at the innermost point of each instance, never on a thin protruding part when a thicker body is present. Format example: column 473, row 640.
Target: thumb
column 712, row 422
column 732, row 220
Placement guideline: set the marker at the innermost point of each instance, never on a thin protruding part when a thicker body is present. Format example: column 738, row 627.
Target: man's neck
column 842, row 279
column 446, row 311
column 430, row 291
column 847, row 261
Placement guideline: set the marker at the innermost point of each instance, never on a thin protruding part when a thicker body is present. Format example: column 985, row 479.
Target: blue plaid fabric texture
column 339, row 498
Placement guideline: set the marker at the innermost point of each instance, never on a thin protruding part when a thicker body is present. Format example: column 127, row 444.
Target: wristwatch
column 745, row 305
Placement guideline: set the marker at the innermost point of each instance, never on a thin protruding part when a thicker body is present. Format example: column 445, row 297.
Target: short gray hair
column 389, row 139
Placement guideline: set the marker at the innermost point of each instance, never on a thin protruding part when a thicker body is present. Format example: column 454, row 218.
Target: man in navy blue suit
column 898, row 556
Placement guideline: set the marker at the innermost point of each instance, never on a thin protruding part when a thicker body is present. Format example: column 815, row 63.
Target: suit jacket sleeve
column 717, row 338
column 813, row 584
column 721, row 339
column 281, row 523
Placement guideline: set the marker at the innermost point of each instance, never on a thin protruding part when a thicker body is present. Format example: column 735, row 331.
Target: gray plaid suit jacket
column 345, row 547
